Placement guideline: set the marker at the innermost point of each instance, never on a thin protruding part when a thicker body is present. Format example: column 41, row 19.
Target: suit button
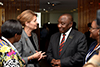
column 30, row 52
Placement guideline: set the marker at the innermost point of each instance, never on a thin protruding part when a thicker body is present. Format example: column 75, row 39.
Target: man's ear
column 71, row 24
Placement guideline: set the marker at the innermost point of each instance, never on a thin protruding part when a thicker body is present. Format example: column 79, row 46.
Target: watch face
column 11, row 63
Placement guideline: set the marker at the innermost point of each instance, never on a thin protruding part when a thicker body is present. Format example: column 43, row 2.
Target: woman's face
column 33, row 24
column 94, row 30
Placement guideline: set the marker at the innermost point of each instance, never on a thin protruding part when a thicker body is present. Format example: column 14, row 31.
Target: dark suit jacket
column 73, row 52
column 26, row 48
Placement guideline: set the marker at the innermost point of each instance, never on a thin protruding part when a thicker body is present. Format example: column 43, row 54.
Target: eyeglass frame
column 94, row 28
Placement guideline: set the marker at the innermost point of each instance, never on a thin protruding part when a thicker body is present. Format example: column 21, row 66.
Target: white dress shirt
column 66, row 36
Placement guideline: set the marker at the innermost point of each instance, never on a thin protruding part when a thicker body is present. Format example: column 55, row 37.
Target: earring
column 98, row 33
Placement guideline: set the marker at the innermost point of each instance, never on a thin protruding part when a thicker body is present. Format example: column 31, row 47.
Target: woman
column 28, row 43
column 95, row 46
column 11, row 32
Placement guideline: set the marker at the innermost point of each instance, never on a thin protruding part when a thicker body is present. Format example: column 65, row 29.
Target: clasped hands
column 38, row 55
column 56, row 63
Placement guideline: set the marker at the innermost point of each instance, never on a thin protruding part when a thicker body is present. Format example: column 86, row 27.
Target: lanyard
column 90, row 53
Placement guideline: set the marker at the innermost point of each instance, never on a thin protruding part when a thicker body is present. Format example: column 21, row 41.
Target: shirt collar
column 67, row 31
column 10, row 44
column 6, row 40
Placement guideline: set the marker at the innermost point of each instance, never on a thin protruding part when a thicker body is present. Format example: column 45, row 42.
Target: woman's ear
column 99, row 32
column 16, row 36
column 26, row 23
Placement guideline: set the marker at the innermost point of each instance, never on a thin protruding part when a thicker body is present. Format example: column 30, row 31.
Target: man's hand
column 56, row 63
column 53, row 62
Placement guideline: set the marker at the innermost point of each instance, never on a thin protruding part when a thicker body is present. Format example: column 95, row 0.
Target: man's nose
column 59, row 25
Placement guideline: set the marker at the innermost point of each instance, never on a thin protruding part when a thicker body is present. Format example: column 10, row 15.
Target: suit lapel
column 67, row 42
column 28, row 42
column 57, row 44
column 35, row 40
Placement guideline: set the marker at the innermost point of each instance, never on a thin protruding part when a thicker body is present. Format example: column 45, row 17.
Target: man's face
column 64, row 24
column 94, row 30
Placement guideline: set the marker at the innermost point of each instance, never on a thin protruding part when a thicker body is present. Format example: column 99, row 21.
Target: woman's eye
column 34, row 20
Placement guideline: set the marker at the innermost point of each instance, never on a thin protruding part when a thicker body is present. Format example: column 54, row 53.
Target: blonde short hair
column 26, row 16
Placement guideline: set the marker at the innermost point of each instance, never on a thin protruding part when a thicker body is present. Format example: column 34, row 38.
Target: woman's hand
column 42, row 56
column 36, row 55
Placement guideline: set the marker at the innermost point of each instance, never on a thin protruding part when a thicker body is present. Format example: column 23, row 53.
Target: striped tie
column 62, row 43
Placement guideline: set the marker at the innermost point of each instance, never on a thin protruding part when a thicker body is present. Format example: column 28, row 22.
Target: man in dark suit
column 71, row 51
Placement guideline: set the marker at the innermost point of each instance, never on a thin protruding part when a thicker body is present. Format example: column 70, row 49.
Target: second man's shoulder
column 78, row 32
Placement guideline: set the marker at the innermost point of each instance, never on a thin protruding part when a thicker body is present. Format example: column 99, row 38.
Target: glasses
column 93, row 28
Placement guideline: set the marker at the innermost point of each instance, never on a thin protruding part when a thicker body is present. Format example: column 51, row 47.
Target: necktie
column 62, row 44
